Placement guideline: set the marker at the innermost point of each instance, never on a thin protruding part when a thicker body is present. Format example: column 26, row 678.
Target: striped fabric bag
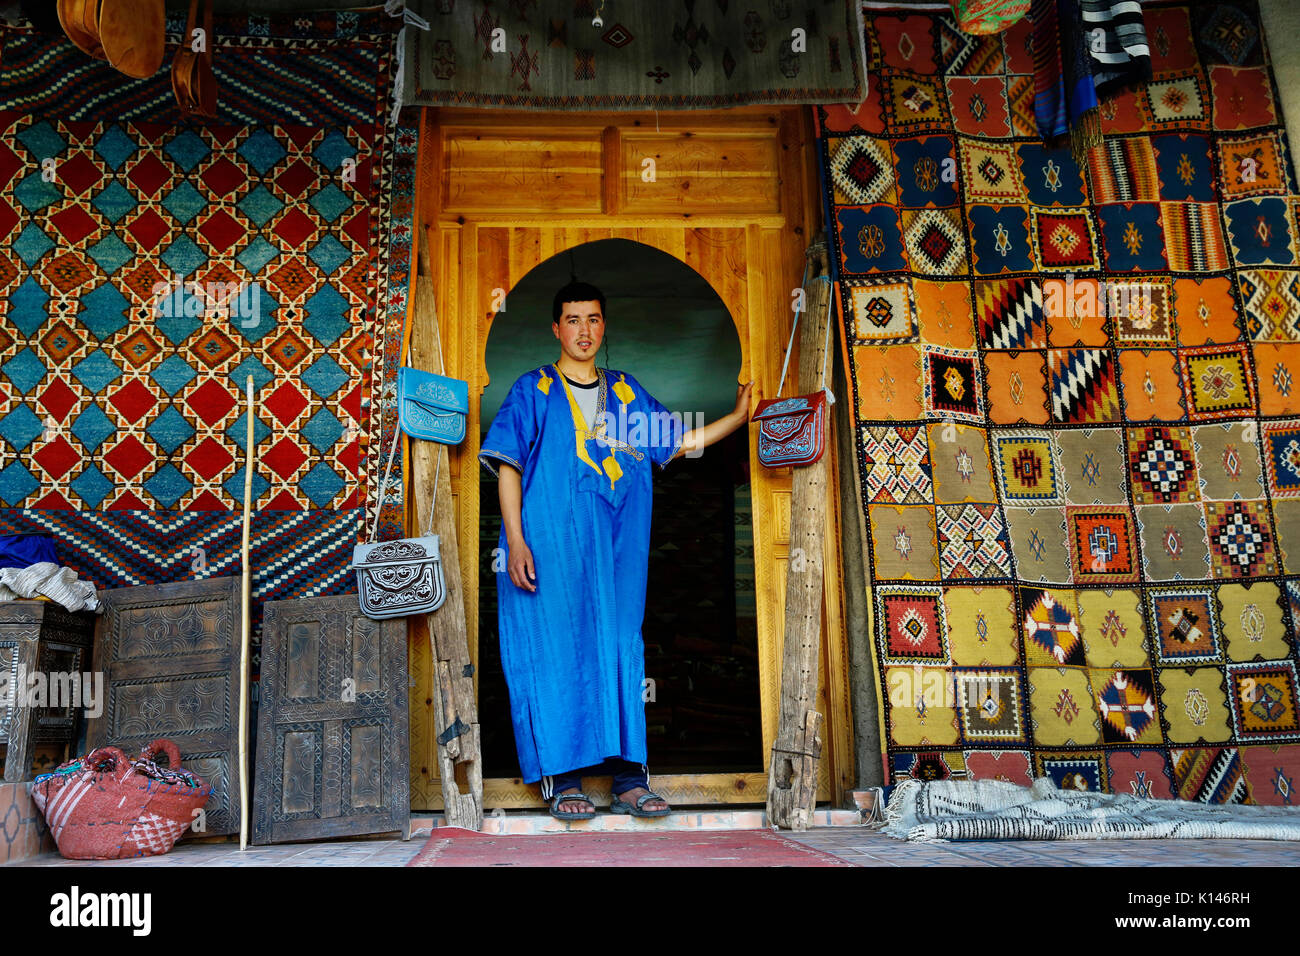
column 106, row 806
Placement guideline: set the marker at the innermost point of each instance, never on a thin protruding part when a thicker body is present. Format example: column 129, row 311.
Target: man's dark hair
column 576, row 292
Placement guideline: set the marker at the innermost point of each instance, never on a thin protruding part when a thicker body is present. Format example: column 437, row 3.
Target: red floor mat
column 452, row 846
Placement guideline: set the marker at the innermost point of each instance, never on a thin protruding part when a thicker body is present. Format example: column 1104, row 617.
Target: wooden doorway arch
column 734, row 198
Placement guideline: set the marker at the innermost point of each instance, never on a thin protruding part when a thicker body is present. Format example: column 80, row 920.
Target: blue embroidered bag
column 432, row 407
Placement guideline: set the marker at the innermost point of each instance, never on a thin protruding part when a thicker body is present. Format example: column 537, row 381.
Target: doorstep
column 515, row 822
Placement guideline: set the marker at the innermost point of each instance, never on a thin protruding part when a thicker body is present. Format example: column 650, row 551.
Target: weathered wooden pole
column 796, row 751
column 454, row 708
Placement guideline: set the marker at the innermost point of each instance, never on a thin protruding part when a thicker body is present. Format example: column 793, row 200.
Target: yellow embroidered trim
column 580, row 429
column 624, row 391
column 544, row 383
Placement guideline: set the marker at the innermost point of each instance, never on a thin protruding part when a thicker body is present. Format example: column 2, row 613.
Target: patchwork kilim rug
column 122, row 415
column 1083, row 503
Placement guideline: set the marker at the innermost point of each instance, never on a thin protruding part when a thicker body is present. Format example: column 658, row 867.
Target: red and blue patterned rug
column 122, row 419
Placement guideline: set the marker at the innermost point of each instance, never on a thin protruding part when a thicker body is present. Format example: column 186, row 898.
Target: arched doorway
column 500, row 194
column 668, row 328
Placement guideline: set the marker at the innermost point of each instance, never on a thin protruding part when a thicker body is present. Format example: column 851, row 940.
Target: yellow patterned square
column 1062, row 707
column 922, row 706
column 1218, row 382
column 1252, row 622
column 1196, row 705
column 1113, row 631
column 982, row 627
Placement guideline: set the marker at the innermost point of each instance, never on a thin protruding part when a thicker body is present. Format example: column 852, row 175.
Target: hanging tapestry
column 149, row 264
column 1077, row 407
column 685, row 54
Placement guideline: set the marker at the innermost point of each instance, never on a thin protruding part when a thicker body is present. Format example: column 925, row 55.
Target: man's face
column 580, row 329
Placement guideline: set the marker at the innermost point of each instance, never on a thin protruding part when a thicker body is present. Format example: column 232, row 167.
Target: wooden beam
column 797, row 749
column 454, row 708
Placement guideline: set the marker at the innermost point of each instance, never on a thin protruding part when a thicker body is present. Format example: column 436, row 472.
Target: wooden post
column 796, row 751
column 455, row 710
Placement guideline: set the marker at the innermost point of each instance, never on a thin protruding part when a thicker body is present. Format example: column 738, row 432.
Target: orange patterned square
column 889, row 383
column 1017, row 387
column 1250, row 166
column 1206, row 311
column 1075, row 310
column 1278, row 370
column 1125, row 112
column 1152, row 385
column 865, row 118
column 945, row 312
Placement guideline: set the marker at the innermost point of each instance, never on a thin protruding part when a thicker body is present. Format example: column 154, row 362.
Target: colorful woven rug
column 452, row 846
column 687, row 54
column 1083, row 497
column 122, row 413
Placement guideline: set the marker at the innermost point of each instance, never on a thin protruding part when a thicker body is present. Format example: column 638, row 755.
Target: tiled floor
column 344, row 853
column 857, row 845
column 866, row 847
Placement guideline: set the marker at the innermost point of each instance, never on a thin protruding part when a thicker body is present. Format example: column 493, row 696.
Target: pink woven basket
column 105, row 806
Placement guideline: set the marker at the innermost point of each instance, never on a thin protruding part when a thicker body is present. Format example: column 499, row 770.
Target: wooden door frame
column 772, row 261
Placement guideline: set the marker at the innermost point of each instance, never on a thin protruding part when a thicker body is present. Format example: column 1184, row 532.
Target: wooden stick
column 245, row 623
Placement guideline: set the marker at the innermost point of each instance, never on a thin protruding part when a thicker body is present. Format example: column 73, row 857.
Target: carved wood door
column 333, row 740
column 170, row 658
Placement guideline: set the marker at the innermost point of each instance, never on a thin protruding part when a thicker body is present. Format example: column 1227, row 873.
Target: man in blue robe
column 577, row 443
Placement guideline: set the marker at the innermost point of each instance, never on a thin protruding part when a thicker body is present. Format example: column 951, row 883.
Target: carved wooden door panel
column 333, row 737
column 170, row 658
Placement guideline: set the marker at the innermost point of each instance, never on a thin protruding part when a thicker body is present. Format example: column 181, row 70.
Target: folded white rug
column 942, row 810
column 48, row 580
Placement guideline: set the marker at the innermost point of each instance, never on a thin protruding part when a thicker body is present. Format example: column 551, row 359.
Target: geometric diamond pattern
column 155, row 369
column 973, row 542
column 897, row 465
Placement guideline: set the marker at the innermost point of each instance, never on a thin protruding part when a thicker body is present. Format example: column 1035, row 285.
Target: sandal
column 622, row 806
column 560, row 798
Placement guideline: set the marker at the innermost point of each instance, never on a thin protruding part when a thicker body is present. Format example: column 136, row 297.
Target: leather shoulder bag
column 792, row 431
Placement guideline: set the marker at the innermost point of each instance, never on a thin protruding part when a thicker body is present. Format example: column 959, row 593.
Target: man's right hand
column 519, row 563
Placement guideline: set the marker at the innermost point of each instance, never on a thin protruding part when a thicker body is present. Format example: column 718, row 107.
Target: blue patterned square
column 927, row 171
column 1132, row 237
column 1259, row 232
column 999, row 237
column 1051, row 176
column 1183, row 165
column 871, row 239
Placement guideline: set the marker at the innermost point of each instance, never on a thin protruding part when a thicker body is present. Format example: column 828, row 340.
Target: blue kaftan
column 572, row 650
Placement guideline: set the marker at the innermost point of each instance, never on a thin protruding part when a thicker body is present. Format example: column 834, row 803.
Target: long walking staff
column 245, row 637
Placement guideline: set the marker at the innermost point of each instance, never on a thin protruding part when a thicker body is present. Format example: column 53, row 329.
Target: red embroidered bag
column 792, row 431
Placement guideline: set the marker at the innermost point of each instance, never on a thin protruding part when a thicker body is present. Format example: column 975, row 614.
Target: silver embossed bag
column 396, row 578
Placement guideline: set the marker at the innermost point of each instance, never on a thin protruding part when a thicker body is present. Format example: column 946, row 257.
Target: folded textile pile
column 942, row 810
column 48, row 580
